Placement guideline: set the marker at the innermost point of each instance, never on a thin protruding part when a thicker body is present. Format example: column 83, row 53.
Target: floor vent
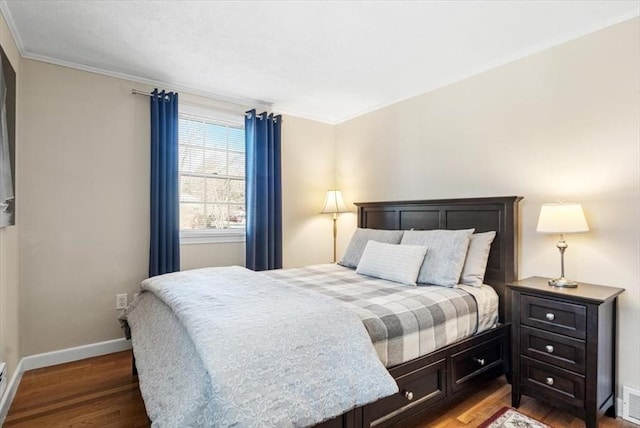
column 631, row 404
column 3, row 378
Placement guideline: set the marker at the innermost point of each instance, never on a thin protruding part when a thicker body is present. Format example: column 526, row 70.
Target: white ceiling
column 328, row 61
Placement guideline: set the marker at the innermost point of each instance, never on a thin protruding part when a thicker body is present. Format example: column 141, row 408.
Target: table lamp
column 334, row 204
column 562, row 218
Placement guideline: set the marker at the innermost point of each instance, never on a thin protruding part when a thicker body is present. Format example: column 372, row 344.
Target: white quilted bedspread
column 274, row 354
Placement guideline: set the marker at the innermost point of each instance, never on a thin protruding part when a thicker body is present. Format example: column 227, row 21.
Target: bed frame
column 431, row 382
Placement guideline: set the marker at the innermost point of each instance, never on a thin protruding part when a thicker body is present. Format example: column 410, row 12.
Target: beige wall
column 564, row 123
column 84, row 210
column 194, row 256
column 84, row 202
column 9, row 261
column 9, row 298
column 307, row 172
column 84, row 205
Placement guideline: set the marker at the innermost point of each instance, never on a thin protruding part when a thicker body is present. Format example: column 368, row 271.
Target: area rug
column 510, row 418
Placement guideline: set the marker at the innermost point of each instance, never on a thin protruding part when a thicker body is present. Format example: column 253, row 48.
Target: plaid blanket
column 403, row 322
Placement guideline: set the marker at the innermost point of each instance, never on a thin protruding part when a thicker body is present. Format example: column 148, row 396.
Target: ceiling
column 328, row 61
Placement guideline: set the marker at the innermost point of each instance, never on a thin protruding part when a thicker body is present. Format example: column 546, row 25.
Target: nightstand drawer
column 552, row 383
column 561, row 351
column 554, row 315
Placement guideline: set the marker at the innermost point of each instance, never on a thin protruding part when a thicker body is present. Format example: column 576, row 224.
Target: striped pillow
column 359, row 240
column 398, row 263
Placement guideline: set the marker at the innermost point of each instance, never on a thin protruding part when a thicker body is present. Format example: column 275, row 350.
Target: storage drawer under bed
column 417, row 388
column 470, row 364
column 449, row 372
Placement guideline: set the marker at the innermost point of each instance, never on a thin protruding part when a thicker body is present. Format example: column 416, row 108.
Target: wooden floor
column 98, row 392
column 102, row 392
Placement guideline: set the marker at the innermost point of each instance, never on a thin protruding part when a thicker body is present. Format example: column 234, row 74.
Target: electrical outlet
column 121, row 301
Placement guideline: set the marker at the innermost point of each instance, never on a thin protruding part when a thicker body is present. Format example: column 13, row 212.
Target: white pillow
column 398, row 263
column 475, row 264
column 359, row 240
column 445, row 259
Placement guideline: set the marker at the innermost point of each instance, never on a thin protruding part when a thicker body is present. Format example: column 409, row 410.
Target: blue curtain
column 263, row 191
column 164, row 252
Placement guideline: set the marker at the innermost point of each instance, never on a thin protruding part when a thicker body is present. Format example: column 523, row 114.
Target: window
column 212, row 176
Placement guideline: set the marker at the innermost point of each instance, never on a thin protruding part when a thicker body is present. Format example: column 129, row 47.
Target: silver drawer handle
column 408, row 395
column 549, row 381
column 479, row 361
column 550, row 316
column 549, row 349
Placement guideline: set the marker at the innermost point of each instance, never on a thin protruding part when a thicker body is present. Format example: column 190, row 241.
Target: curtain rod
column 137, row 92
column 220, row 109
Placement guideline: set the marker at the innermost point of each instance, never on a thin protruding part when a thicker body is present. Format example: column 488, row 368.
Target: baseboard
column 74, row 354
column 619, row 402
column 10, row 392
column 54, row 358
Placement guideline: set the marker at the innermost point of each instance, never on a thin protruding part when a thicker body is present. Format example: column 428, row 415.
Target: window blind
column 212, row 174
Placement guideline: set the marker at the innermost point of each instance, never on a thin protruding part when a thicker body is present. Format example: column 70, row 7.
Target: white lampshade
column 562, row 218
column 333, row 203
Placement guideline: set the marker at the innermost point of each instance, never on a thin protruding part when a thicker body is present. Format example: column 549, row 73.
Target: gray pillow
column 445, row 258
column 475, row 264
column 359, row 240
column 398, row 263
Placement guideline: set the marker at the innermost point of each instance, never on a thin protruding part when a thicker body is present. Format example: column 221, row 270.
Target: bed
column 424, row 384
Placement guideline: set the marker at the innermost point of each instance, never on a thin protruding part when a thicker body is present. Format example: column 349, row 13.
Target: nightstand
column 564, row 346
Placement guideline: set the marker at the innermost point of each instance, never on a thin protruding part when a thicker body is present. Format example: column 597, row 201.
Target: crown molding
column 176, row 87
column 8, row 17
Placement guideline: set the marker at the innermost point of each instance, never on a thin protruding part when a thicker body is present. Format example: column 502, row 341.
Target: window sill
column 191, row 237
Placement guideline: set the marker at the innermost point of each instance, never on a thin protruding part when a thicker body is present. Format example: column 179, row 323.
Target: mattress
column 404, row 322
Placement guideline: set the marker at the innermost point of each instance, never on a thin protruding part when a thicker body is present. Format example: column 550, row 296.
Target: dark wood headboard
column 483, row 214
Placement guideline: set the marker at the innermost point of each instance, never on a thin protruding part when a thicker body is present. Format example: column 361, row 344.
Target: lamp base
column 562, row 282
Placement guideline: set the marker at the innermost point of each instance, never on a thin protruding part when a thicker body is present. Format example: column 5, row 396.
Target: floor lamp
column 334, row 204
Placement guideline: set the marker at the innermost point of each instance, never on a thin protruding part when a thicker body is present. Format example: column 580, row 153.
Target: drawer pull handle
column 550, row 316
column 549, row 349
column 549, row 381
column 479, row 361
column 408, row 395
